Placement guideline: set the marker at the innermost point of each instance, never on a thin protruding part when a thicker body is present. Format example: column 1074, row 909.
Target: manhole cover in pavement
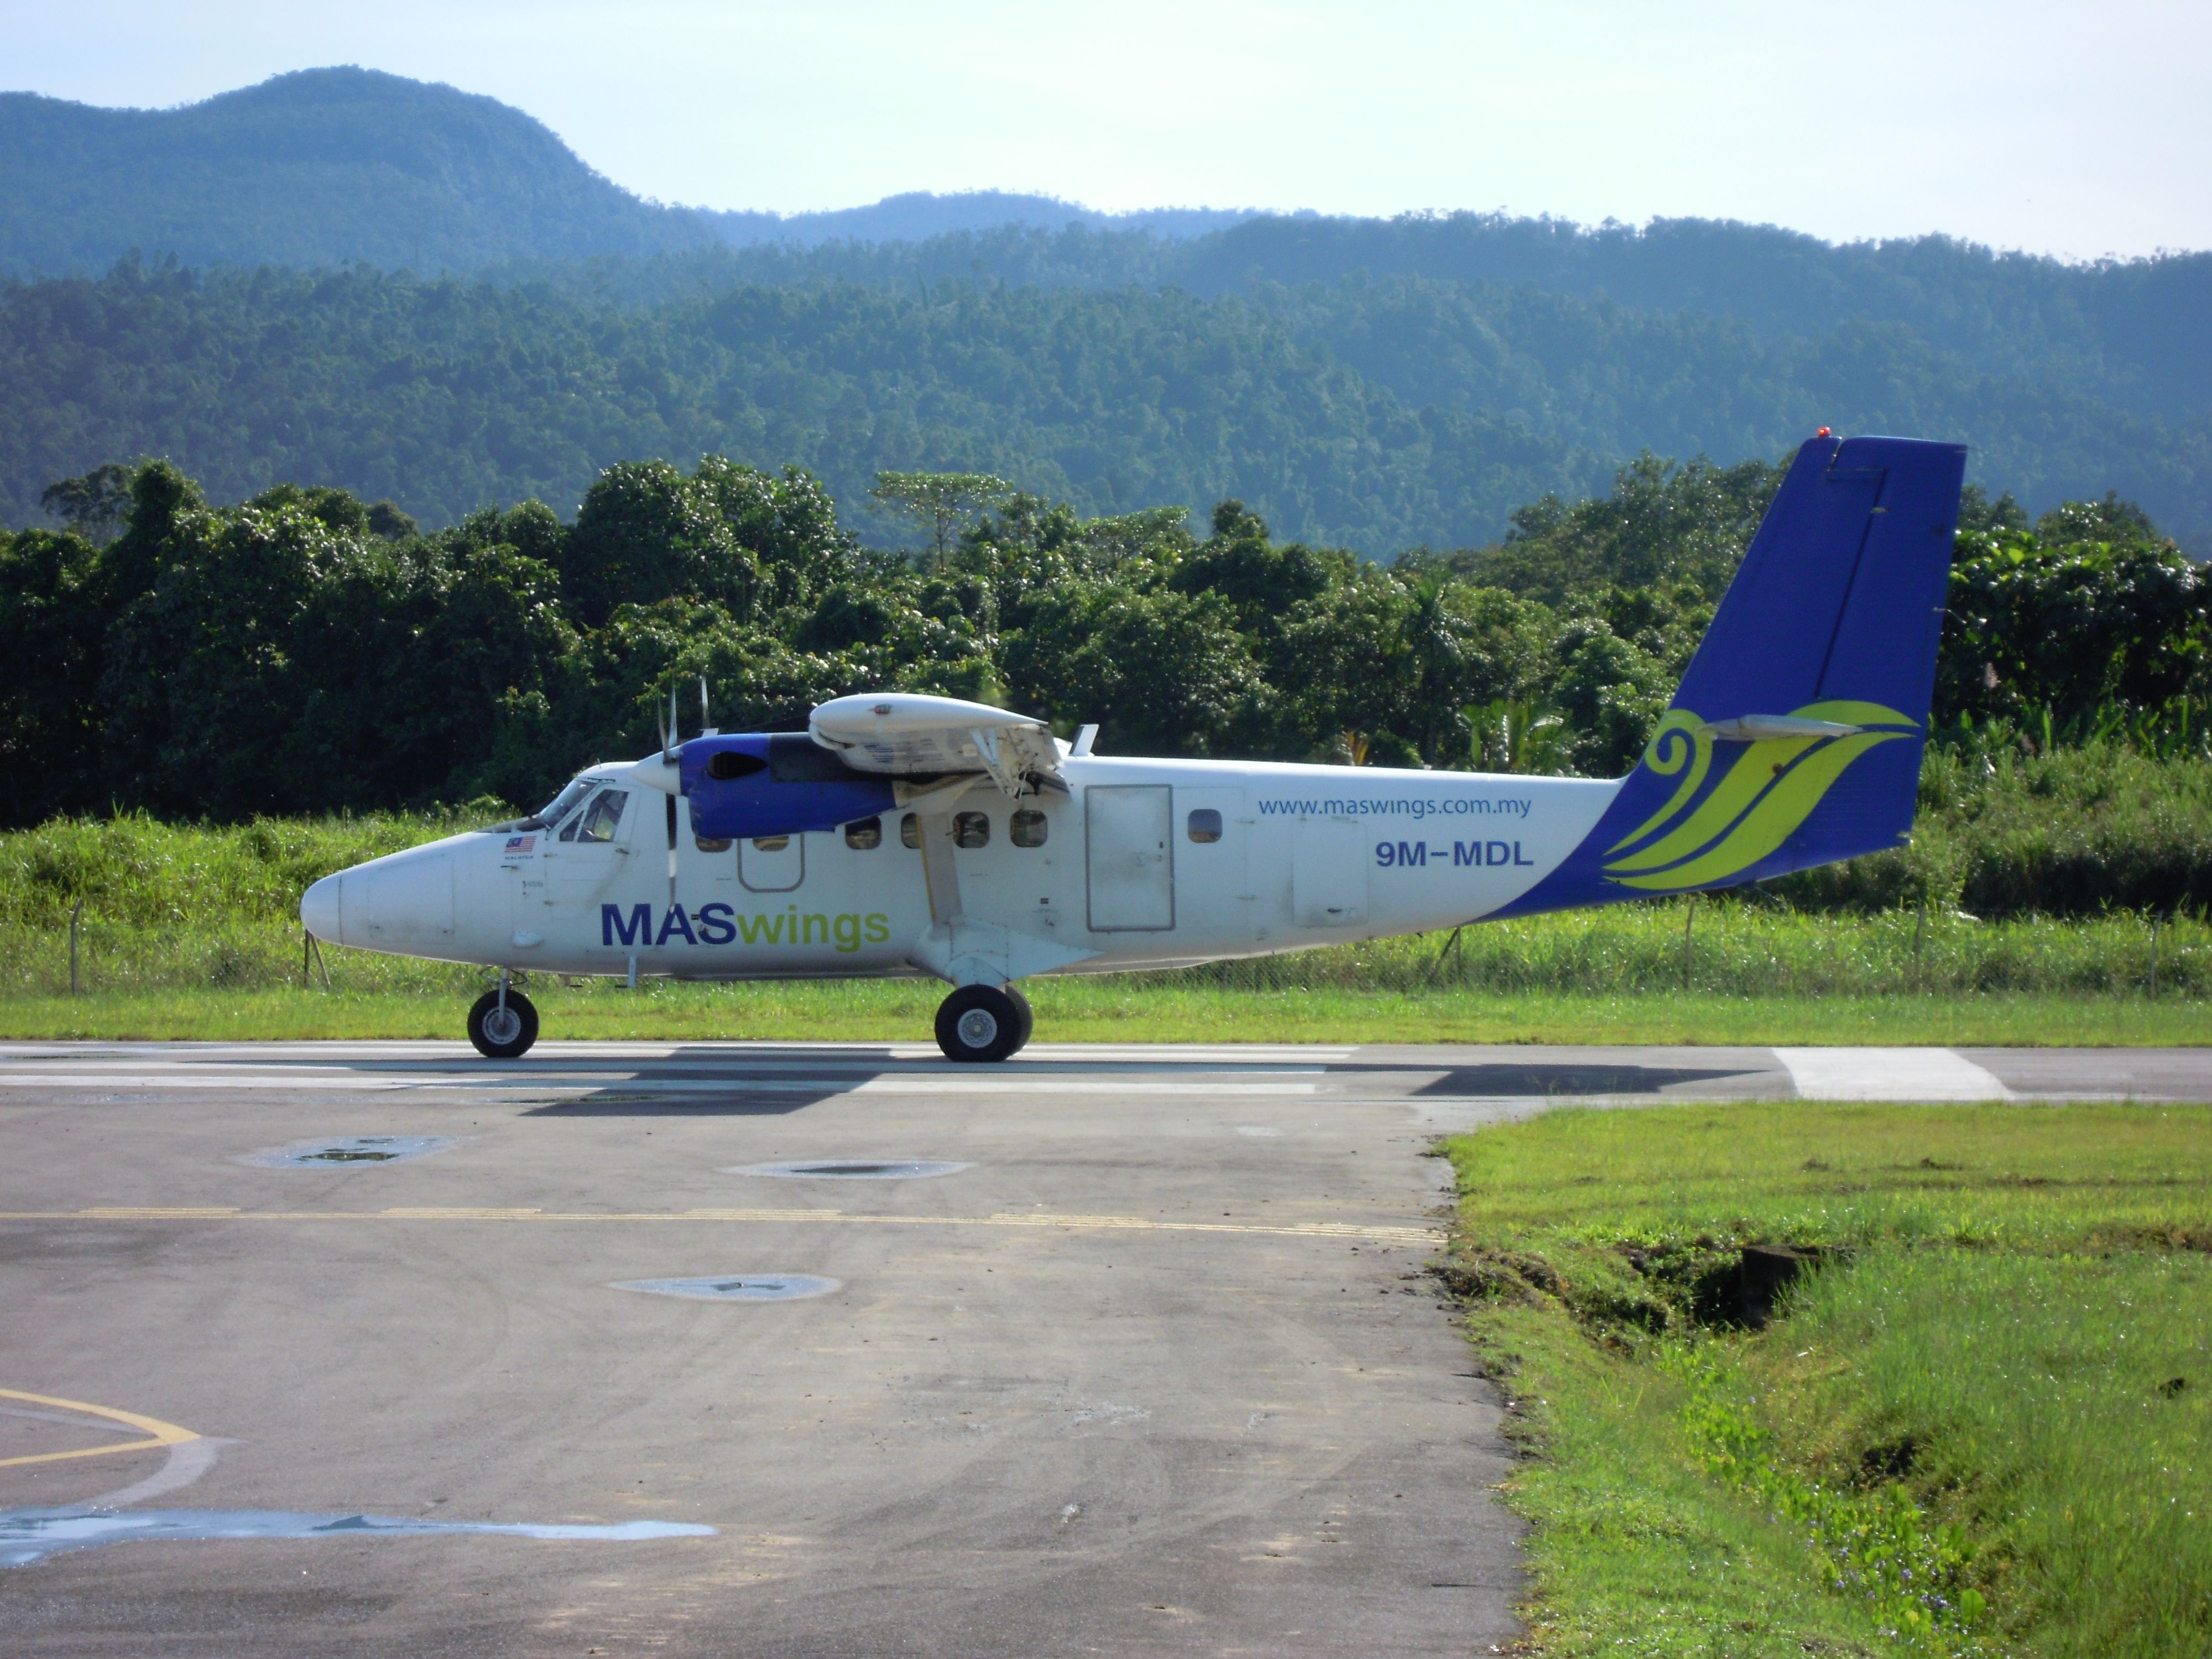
column 853, row 1168
column 737, row 1287
column 343, row 1150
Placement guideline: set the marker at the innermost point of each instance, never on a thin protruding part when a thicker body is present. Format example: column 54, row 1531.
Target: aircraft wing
column 904, row 734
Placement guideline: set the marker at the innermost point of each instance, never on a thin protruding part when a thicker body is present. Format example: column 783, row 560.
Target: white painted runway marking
column 996, row 1083
column 1902, row 1074
column 162, row 1082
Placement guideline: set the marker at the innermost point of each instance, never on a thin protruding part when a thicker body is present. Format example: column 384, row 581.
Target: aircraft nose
column 322, row 910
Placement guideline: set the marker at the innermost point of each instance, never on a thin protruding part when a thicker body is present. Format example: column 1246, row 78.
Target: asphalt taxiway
column 780, row 1350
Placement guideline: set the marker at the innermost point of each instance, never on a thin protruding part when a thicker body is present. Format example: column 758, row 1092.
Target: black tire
column 979, row 1023
column 1029, row 1019
column 485, row 1025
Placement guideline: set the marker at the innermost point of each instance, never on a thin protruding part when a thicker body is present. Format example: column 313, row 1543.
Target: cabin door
column 581, row 859
column 1329, row 872
column 1214, row 893
column 1128, row 844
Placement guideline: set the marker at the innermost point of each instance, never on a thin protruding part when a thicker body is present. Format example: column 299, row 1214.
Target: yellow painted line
column 1030, row 1219
column 160, row 1433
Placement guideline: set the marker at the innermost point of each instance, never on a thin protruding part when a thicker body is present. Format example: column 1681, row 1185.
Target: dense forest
column 302, row 651
column 1376, row 414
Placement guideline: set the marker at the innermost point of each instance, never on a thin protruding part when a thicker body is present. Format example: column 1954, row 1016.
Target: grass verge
column 1112, row 1010
column 1975, row 1425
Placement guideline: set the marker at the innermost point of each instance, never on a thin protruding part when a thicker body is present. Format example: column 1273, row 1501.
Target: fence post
column 2153, row 959
column 76, row 915
column 1437, row 968
column 1689, row 915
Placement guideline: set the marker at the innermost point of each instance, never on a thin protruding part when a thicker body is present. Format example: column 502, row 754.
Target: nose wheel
column 504, row 1025
column 983, row 1022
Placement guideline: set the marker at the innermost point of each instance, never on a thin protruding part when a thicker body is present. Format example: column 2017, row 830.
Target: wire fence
column 1723, row 947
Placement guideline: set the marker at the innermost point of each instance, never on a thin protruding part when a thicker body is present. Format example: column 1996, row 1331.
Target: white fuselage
column 1143, row 863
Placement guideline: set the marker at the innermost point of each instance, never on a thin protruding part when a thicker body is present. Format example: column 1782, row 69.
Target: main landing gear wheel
column 983, row 1022
column 503, row 1033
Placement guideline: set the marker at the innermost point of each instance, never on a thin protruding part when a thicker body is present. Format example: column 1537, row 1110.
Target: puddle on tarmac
column 343, row 1152
column 29, row 1536
column 852, row 1168
column 737, row 1287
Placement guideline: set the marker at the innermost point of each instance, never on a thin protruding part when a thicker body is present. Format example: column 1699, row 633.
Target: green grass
column 2001, row 1374
column 192, row 930
column 2072, row 832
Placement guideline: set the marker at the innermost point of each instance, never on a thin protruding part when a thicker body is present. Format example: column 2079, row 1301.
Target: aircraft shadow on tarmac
column 777, row 1082
column 1520, row 1080
column 634, row 1102
column 764, row 1083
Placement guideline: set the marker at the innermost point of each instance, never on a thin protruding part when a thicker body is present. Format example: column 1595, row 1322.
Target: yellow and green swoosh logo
column 1771, row 787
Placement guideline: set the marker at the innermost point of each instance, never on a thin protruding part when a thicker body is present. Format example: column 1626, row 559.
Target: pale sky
column 2071, row 129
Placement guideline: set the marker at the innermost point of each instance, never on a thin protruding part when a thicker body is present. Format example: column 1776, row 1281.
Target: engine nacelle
column 775, row 784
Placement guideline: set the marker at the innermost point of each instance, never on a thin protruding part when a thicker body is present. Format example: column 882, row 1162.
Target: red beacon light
column 1824, row 432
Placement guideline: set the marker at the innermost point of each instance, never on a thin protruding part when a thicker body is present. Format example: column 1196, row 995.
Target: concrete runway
column 1154, row 1370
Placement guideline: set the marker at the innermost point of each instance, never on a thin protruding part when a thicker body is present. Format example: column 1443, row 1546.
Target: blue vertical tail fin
column 1796, row 736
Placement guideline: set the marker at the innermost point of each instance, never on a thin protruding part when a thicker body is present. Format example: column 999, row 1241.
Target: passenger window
column 910, row 832
column 599, row 820
column 865, row 834
column 971, row 829
column 1205, row 824
column 770, row 843
column 1028, row 827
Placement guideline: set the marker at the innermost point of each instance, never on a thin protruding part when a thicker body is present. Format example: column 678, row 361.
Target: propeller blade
column 671, row 852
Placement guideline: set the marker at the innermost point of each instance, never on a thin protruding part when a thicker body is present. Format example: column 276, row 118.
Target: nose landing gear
column 503, row 1024
column 983, row 1022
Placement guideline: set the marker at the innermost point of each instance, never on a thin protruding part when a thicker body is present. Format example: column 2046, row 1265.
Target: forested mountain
column 325, row 166
column 2136, row 332
column 330, row 167
column 1376, row 415
column 1369, row 383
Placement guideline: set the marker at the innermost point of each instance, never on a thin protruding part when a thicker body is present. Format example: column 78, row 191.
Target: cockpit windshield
column 553, row 812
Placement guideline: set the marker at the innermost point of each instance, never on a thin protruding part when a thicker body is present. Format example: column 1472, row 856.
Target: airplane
column 904, row 834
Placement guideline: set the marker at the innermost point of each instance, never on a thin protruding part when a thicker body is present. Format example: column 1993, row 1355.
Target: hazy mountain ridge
column 331, row 167
column 918, row 215
column 324, row 166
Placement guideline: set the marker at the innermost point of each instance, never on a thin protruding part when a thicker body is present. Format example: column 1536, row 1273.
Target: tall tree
column 944, row 503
